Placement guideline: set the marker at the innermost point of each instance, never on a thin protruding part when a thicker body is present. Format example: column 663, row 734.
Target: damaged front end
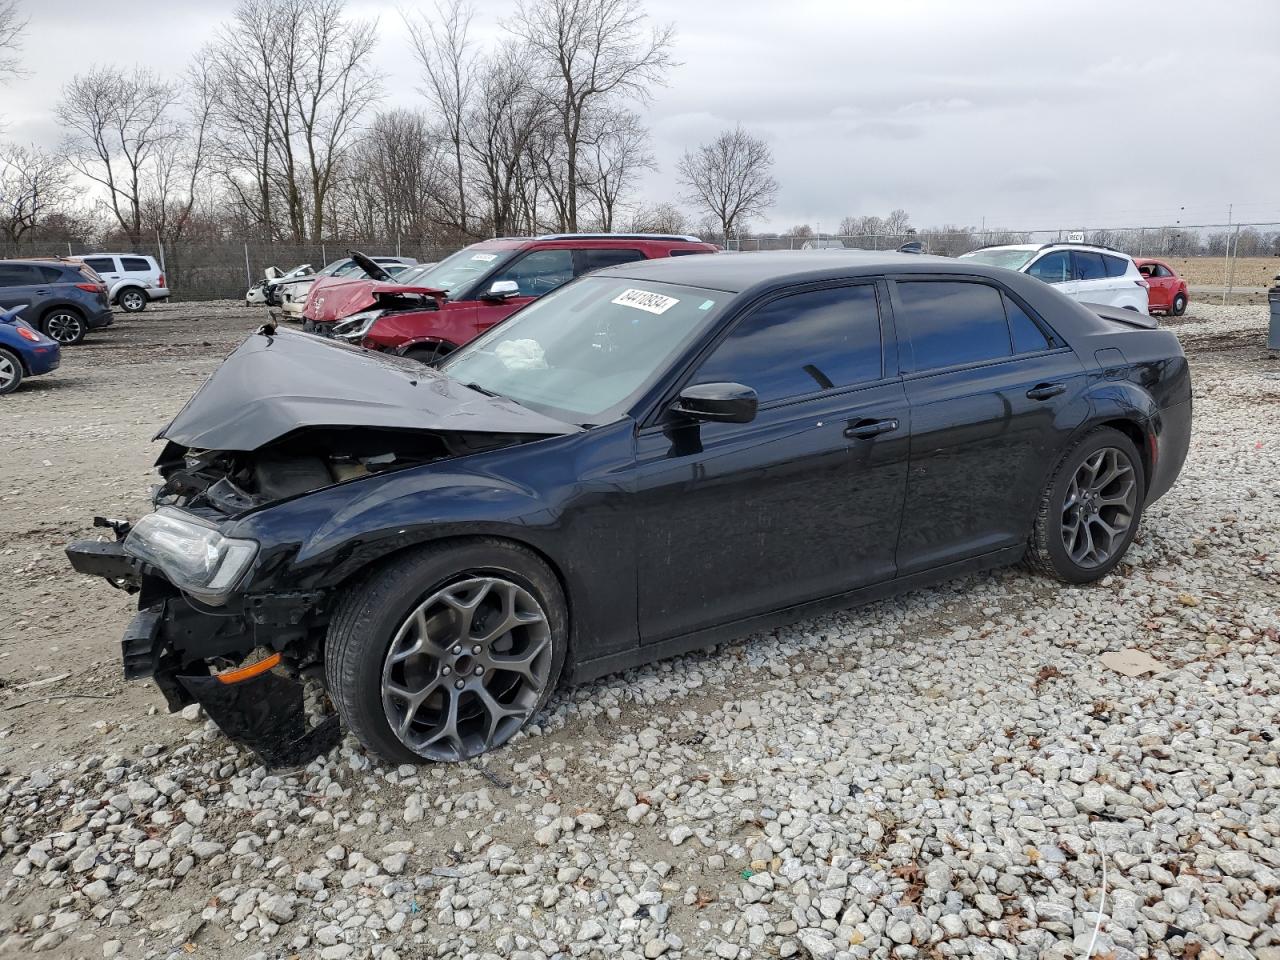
column 226, row 617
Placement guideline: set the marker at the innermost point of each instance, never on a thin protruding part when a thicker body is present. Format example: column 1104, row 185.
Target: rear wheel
column 447, row 653
column 132, row 300
column 1090, row 509
column 64, row 325
column 1179, row 305
column 10, row 372
column 429, row 353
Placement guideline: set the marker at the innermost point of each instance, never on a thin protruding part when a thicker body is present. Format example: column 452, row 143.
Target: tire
column 10, row 372
column 1179, row 305
column 429, row 354
column 65, row 325
column 132, row 300
column 387, row 675
column 1071, row 512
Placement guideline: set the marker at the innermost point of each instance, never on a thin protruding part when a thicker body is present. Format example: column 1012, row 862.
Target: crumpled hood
column 333, row 298
column 274, row 384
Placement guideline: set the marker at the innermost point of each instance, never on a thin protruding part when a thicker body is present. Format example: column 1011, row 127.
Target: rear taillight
column 27, row 334
column 160, row 282
column 90, row 287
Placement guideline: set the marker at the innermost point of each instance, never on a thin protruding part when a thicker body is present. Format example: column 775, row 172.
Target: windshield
column 1010, row 259
column 457, row 272
column 585, row 352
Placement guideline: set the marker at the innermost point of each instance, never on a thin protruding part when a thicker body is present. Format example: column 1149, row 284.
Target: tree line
column 282, row 128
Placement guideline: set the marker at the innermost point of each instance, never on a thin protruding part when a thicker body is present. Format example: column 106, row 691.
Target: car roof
column 745, row 271
column 107, row 253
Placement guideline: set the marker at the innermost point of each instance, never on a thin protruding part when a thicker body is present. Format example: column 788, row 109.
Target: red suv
column 427, row 312
column 1166, row 291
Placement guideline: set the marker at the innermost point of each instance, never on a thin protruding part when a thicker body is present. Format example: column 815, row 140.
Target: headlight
column 195, row 557
column 357, row 325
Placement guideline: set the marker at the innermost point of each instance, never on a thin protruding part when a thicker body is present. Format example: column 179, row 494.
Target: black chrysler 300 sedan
column 655, row 457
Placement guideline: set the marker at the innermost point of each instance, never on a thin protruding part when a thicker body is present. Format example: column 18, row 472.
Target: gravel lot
column 952, row 773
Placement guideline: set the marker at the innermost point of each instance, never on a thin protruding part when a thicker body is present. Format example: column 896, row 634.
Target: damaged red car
column 428, row 312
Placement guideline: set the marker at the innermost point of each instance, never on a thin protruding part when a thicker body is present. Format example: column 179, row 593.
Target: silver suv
column 1084, row 272
column 133, row 280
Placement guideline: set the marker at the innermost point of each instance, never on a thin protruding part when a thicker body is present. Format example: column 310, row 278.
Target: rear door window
column 135, row 265
column 596, row 259
column 49, row 274
column 1088, row 266
column 951, row 322
column 1052, row 267
column 101, row 265
column 802, row 344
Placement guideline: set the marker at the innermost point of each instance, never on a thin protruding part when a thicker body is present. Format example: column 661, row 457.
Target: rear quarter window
column 687, row 253
column 1116, row 266
column 135, row 265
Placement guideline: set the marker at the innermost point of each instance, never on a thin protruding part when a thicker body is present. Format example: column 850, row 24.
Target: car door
column 1055, row 268
column 1163, row 285
column 993, row 392
column 21, row 284
column 804, row 501
column 535, row 273
column 1092, row 283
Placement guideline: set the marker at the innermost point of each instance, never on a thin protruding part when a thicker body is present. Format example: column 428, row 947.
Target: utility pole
column 1226, row 261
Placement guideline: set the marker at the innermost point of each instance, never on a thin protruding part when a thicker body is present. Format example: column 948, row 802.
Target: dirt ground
column 1213, row 271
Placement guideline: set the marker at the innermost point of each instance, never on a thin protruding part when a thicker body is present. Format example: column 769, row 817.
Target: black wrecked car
column 656, row 457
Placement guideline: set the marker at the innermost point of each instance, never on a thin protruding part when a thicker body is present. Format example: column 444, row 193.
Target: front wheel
column 1090, row 509
column 448, row 652
column 65, row 326
column 429, row 353
column 132, row 300
column 10, row 372
column 1179, row 305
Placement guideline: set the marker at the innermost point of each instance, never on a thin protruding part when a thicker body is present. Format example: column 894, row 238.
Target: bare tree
column 119, row 123
column 12, row 24
column 390, row 179
column 617, row 151
column 589, row 53
column 662, row 217
column 441, row 45
column 33, row 186
column 730, row 178
column 897, row 223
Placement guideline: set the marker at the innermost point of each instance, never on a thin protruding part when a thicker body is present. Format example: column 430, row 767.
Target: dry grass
column 1250, row 271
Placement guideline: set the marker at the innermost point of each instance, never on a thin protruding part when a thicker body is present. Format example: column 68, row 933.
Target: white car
column 267, row 290
column 293, row 292
column 133, row 279
column 1084, row 272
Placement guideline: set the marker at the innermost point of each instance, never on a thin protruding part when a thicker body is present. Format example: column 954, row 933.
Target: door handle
column 1043, row 391
column 866, row 429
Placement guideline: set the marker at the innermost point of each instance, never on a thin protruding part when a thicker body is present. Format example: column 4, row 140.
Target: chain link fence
column 1218, row 258
column 224, row 270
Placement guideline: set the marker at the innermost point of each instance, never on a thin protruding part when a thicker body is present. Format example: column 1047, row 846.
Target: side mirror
column 717, row 402
column 502, row 290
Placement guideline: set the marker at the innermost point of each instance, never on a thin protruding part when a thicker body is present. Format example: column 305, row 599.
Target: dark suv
column 63, row 299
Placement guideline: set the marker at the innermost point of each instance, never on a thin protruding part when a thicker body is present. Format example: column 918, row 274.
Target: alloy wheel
column 66, row 328
column 132, row 301
column 1099, row 508
column 8, row 372
column 466, row 668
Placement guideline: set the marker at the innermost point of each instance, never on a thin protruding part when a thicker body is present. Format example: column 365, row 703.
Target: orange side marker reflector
column 251, row 671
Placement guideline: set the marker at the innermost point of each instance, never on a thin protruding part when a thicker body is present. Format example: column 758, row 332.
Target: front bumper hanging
column 259, row 706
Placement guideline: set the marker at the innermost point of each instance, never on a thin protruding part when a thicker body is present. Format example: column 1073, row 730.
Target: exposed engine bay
column 230, row 483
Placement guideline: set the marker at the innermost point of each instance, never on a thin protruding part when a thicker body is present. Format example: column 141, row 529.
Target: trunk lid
column 278, row 382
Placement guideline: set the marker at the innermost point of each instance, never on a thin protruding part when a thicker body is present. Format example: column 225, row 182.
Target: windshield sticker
column 707, row 304
column 645, row 300
column 484, row 257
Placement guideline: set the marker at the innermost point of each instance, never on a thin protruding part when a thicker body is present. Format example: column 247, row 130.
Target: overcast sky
column 1030, row 115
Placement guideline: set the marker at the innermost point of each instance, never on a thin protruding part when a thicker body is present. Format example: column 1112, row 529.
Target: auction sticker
column 645, row 300
column 484, row 257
